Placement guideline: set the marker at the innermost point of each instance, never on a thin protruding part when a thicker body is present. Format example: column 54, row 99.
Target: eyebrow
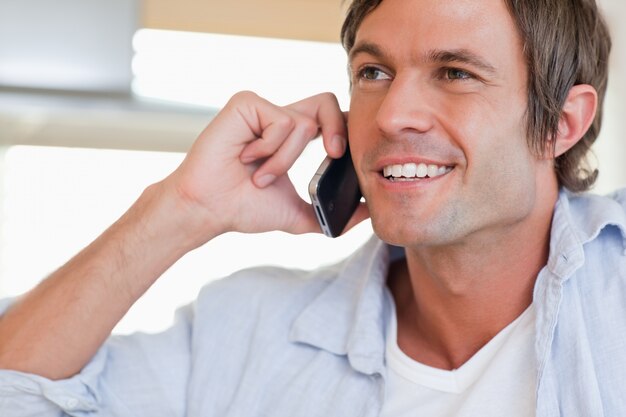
column 462, row 55
column 366, row 48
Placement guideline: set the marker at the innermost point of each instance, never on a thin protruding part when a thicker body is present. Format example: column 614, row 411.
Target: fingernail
column 339, row 142
column 265, row 180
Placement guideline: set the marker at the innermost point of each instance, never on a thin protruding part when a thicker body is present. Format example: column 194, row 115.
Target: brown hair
column 566, row 42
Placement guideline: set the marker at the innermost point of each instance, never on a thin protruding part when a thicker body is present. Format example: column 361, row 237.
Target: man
column 468, row 121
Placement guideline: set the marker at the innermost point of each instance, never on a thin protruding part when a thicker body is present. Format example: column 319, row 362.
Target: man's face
column 439, row 88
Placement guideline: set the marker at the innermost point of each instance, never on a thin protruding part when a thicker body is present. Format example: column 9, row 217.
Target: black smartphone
column 335, row 193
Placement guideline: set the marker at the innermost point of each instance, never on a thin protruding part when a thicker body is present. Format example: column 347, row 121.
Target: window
column 57, row 200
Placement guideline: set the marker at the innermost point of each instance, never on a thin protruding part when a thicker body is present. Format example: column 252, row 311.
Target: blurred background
column 100, row 98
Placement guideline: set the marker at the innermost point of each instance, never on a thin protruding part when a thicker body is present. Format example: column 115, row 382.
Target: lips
column 412, row 170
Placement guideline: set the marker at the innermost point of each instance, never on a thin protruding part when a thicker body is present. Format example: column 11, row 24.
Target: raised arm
column 233, row 179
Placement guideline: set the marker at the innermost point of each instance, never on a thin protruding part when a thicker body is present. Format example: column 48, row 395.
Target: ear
column 577, row 115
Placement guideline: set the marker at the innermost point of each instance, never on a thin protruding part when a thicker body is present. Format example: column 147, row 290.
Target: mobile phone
column 335, row 193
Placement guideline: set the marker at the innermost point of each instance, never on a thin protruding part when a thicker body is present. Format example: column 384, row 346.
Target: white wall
column 65, row 204
column 610, row 147
column 67, row 44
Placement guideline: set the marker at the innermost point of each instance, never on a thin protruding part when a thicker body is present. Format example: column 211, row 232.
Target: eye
column 370, row 73
column 456, row 74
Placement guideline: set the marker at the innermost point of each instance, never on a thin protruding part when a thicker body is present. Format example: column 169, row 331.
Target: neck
column 452, row 300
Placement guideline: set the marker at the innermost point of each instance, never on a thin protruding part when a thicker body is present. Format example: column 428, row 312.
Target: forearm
column 222, row 185
column 56, row 328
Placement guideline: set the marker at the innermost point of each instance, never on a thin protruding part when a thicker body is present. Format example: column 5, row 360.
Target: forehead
column 414, row 27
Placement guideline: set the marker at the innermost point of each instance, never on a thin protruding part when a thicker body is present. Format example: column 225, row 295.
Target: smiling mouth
column 412, row 171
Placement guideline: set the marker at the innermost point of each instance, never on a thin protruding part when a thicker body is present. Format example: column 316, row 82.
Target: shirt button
column 71, row 403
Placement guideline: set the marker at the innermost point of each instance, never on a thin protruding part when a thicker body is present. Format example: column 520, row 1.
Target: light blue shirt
column 275, row 342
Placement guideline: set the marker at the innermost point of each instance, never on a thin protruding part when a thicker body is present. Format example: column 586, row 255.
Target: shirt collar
column 578, row 219
column 349, row 317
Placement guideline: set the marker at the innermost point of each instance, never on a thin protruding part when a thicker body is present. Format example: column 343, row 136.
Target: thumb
column 361, row 213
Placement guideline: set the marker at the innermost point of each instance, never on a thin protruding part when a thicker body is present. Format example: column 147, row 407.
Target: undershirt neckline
column 452, row 381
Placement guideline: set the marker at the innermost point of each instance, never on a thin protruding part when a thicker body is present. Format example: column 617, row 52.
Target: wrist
column 167, row 215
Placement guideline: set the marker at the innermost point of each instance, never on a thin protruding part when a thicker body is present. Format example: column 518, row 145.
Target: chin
column 401, row 234
column 416, row 231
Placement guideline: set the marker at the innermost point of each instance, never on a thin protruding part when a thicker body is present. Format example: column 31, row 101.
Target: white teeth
column 422, row 170
column 409, row 170
column 412, row 170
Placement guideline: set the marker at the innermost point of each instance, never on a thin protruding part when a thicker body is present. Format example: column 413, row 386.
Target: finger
column 270, row 139
column 245, row 118
column 325, row 109
column 276, row 133
column 288, row 152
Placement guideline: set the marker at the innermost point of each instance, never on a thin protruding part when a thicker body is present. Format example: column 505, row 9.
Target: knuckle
column 242, row 97
column 286, row 123
column 328, row 97
column 309, row 128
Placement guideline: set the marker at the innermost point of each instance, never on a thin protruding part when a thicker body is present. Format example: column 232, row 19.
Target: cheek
column 498, row 160
column 504, row 175
column 486, row 128
column 362, row 131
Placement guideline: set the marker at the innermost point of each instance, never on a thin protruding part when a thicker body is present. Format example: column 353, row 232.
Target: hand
column 235, row 175
column 233, row 179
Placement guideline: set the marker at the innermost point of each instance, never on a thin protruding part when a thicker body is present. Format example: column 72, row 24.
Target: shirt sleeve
column 132, row 376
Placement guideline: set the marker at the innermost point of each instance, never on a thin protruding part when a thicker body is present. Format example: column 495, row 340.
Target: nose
column 405, row 108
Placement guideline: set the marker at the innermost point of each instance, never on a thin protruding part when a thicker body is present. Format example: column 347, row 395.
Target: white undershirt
column 499, row 380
